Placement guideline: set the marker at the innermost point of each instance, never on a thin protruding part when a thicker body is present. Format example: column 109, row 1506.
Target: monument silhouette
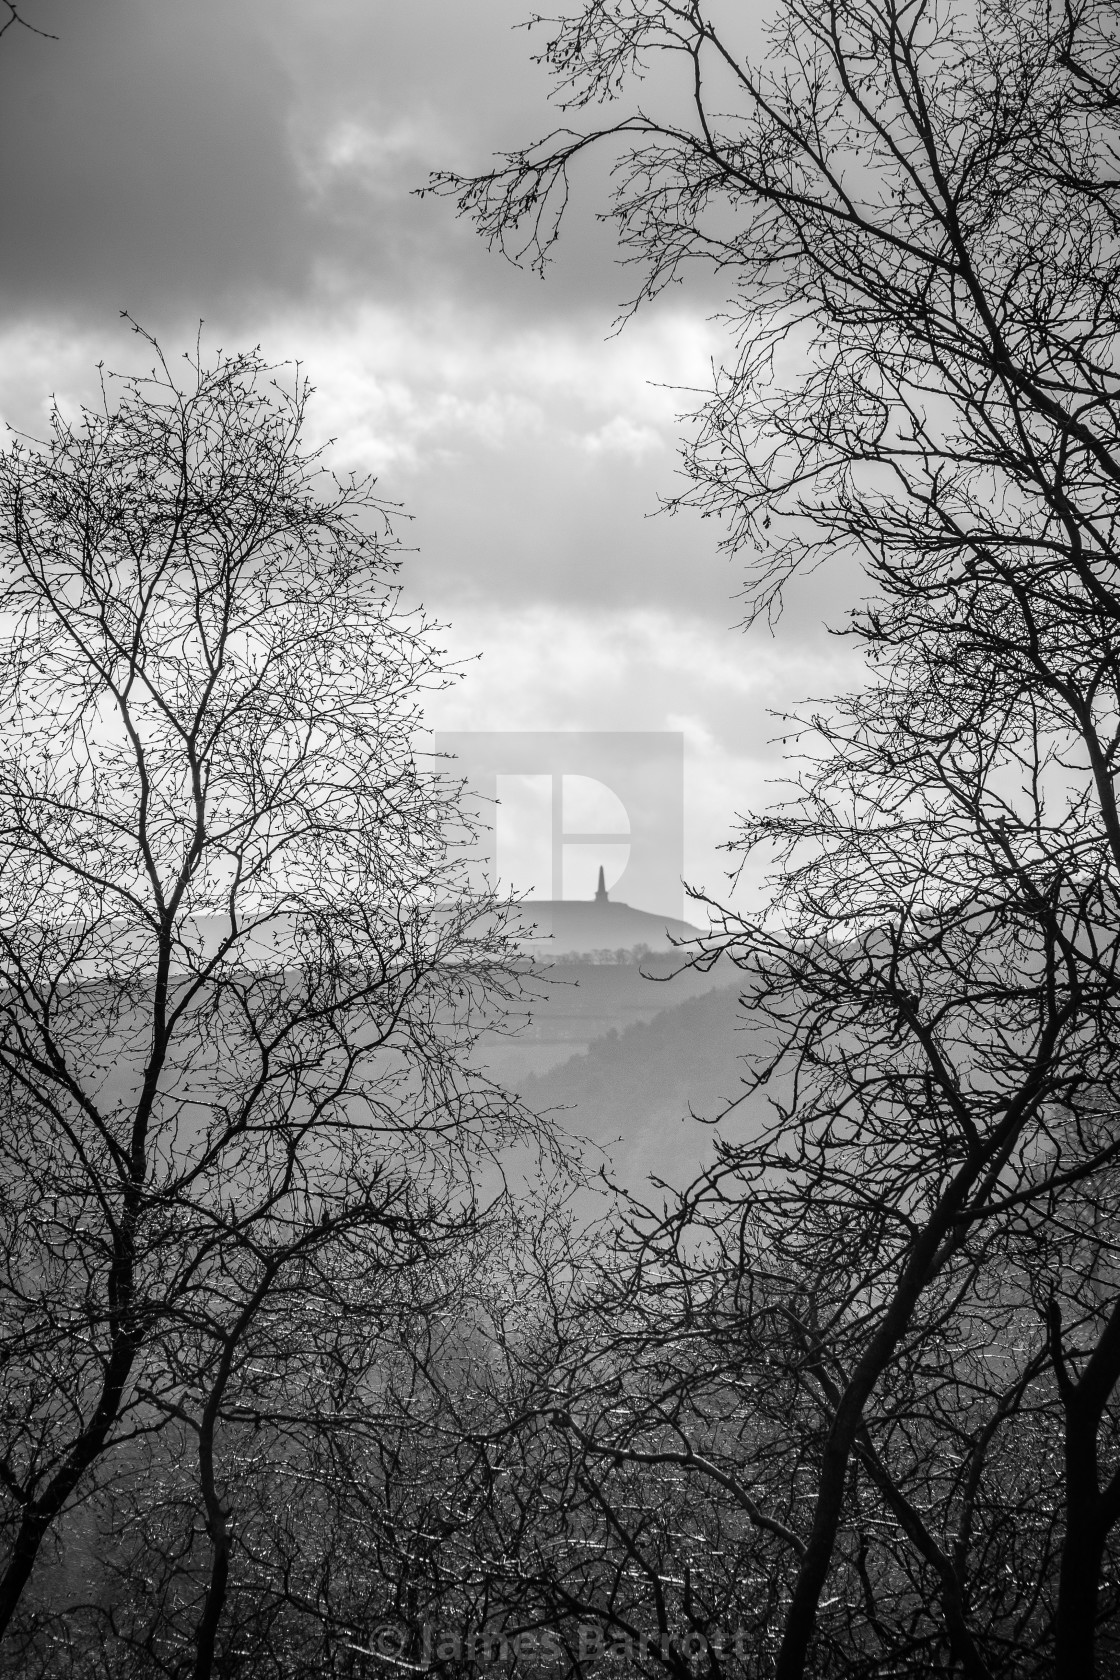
column 567, row 925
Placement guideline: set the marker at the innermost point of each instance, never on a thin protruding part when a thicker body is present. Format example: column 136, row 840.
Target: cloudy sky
column 251, row 163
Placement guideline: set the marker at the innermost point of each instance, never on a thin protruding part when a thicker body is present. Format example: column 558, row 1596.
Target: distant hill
column 555, row 927
column 578, row 997
column 638, row 1085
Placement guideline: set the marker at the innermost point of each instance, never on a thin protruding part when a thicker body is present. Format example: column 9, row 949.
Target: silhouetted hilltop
column 563, row 925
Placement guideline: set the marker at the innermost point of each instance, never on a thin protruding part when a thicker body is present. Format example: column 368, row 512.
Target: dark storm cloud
column 145, row 157
column 232, row 153
column 252, row 162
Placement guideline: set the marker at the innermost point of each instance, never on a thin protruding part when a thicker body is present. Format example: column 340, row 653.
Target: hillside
column 633, row 1089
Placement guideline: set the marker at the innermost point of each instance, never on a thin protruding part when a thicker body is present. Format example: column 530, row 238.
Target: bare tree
column 917, row 207
column 241, row 969
column 363, row 1435
column 11, row 17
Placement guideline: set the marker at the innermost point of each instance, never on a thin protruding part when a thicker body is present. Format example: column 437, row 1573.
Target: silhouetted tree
column 11, row 17
column 916, row 205
column 240, row 971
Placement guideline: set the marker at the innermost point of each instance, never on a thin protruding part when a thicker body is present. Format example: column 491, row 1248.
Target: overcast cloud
column 251, row 162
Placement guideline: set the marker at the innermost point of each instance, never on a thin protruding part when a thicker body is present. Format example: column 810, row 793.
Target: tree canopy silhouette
column 240, row 968
column 914, row 206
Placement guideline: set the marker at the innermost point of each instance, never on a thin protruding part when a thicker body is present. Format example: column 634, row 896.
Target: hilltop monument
column 565, row 926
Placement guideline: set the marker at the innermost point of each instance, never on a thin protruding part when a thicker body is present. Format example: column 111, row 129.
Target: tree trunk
column 29, row 1538
column 1082, row 1550
column 215, row 1603
column 1089, row 1515
column 41, row 1513
column 928, row 1255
